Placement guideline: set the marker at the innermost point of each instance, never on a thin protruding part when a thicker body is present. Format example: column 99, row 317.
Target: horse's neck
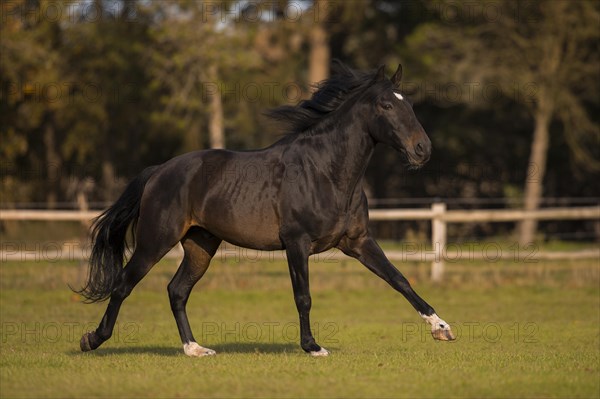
column 345, row 150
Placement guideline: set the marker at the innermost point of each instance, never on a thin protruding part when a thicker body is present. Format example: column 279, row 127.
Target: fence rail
column 438, row 214
column 46, row 215
column 480, row 215
column 435, row 212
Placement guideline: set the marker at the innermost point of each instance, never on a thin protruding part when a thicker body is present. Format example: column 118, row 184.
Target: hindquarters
column 109, row 233
column 162, row 220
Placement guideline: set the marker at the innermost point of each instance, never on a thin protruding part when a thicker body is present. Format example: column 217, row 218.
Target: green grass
column 520, row 334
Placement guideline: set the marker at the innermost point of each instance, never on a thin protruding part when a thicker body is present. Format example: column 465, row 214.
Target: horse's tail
column 109, row 233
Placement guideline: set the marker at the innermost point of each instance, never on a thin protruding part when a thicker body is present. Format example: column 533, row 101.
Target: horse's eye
column 387, row 106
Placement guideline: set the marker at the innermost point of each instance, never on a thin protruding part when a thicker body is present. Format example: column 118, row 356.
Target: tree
column 194, row 51
column 543, row 56
column 32, row 95
column 108, row 119
column 320, row 54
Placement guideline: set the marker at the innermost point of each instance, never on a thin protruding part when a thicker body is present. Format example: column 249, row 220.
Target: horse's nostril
column 419, row 149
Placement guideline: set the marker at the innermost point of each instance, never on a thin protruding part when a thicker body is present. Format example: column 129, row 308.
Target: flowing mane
column 330, row 95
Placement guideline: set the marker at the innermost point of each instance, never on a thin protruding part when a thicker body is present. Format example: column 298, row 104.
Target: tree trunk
column 536, row 169
column 108, row 180
column 215, row 123
column 53, row 166
column 319, row 45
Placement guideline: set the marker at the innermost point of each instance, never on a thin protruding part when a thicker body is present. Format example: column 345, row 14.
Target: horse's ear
column 397, row 76
column 380, row 75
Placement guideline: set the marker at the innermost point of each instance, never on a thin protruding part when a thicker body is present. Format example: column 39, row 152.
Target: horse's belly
column 252, row 232
column 247, row 225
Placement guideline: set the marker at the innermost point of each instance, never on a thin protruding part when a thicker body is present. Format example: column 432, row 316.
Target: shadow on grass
column 132, row 350
column 256, row 347
column 234, row 347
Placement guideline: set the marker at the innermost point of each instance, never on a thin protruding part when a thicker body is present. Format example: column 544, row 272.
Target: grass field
column 523, row 331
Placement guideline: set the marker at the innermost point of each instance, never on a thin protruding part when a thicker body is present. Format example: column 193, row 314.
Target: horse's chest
column 322, row 212
column 326, row 233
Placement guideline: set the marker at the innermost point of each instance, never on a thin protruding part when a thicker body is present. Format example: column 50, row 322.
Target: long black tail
column 109, row 233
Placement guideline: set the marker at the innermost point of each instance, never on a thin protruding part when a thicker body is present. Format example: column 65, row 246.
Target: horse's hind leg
column 199, row 248
column 151, row 247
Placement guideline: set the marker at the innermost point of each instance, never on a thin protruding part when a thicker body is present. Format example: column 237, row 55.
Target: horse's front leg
column 297, row 250
column 368, row 252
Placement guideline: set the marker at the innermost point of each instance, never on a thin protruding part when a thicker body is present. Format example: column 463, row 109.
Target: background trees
column 94, row 91
column 543, row 58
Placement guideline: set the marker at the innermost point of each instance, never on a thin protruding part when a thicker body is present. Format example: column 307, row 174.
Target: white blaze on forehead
column 398, row 96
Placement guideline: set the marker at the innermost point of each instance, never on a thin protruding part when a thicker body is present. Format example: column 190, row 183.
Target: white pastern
column 195, row 350
column 435, row 322
column 319, row 353
column 399, row 96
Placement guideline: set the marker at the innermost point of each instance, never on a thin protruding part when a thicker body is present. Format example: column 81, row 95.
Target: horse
column 305, row 197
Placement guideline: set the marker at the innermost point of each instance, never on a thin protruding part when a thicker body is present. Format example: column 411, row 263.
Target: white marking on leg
column 319, row 353
column 195, row 350
column 398, row 96
column 435, row 322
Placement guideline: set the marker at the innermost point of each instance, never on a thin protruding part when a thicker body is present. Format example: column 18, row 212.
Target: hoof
column 192, row 349
column 443, row 335
column 320, row 353
column 440, row 330
column 85, row 344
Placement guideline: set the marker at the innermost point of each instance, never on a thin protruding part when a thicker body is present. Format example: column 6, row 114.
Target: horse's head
column 393, row 122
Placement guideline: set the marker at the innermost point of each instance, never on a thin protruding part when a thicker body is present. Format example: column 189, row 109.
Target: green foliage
column 99, row 95
column 541, row 56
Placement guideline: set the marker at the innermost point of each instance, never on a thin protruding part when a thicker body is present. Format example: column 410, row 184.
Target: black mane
column 329, row 97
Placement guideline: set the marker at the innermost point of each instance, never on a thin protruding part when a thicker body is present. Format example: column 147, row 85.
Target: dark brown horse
column 305, row 196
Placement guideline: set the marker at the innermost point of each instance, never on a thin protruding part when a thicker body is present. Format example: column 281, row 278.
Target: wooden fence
column 439, row 252
column 440, row 217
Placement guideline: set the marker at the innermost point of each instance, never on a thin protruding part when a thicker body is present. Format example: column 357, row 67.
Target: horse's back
column 231, row 194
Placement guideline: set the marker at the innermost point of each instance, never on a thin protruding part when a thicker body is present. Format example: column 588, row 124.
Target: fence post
column 438, row 241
